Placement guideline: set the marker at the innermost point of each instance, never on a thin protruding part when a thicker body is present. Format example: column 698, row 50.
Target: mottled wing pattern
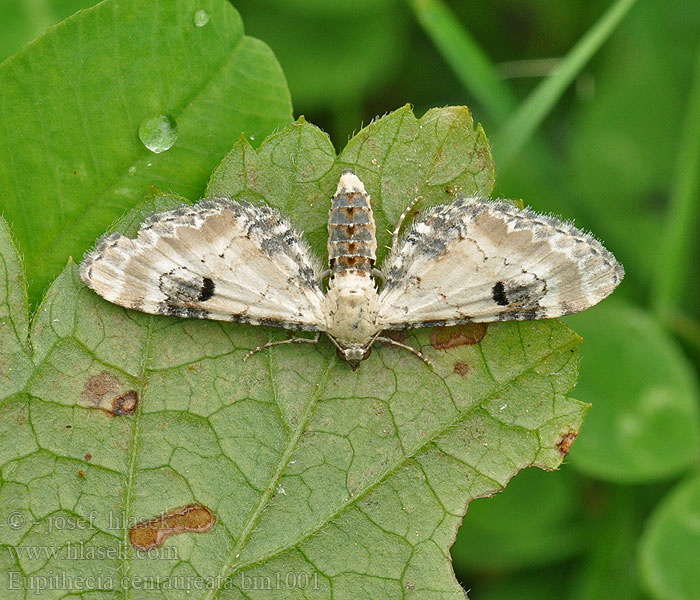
column 219, row 259
column 478, row 261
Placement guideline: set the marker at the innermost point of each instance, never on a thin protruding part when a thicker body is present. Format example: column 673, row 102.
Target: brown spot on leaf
column 125, row 405
column 443, row 338
column 193, row 518
column 564, row 444
column 88, row 456
column 106, row 392
column 462, row 369
column 81, row 474
column 98, row 386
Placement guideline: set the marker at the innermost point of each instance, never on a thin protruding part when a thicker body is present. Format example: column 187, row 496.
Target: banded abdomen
column 352, row 243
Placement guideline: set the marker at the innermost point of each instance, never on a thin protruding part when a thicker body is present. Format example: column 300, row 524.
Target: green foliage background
column 612, row 141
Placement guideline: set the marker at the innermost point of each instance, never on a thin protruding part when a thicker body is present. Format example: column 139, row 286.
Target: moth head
column 354, row 355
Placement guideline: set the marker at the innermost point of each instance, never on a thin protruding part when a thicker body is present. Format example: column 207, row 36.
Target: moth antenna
column 379, row 274
column 404, row 214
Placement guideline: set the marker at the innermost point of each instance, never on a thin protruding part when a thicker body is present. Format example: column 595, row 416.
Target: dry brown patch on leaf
column 125, row 405
column 193, row 518
column 564, row 444
column 443, row 338
column 106, row 392
column 99, row 386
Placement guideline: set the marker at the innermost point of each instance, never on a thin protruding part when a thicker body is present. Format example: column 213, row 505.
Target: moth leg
column 418, row 353
column 404, row 214
column 292, row 340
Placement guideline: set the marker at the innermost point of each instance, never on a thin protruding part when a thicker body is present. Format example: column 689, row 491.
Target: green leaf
column 670, row 546
column 354, row 480
column 644, row 423
column 72, row 103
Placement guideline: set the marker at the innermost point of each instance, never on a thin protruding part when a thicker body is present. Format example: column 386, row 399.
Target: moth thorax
column 351, row 308
column 352, row 242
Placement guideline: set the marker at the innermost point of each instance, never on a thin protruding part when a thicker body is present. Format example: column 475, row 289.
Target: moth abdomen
column 352, row 244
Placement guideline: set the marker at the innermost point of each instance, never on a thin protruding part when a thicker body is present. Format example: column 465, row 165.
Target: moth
column 473, row 260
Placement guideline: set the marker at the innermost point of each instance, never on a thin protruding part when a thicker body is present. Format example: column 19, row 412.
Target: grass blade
column 678, row 245
column 518, row 129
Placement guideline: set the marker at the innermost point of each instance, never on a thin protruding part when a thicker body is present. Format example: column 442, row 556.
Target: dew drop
column 251, row 138
column 158, row 133
column 201, row 18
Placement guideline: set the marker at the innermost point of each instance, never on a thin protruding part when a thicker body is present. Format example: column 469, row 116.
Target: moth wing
column 215, row 260
column 479, row 261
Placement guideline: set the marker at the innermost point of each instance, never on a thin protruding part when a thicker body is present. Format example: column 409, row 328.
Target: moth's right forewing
column 480, row 261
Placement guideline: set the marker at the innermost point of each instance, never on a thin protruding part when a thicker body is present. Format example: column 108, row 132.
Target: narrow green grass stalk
column 463, row 54
column 678, row 245
column 518, row 129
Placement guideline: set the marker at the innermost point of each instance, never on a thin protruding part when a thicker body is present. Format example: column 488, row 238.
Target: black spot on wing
column 207, row 289
column 499, row 294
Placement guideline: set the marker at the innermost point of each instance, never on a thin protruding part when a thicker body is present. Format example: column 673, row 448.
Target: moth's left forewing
column 480, row 261
column 219, row 260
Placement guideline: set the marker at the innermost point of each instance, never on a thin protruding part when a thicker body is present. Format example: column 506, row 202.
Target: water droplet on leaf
column 158, row 133
column 201, row 18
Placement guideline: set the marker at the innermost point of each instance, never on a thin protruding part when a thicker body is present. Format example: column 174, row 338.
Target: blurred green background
column 593, row 111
